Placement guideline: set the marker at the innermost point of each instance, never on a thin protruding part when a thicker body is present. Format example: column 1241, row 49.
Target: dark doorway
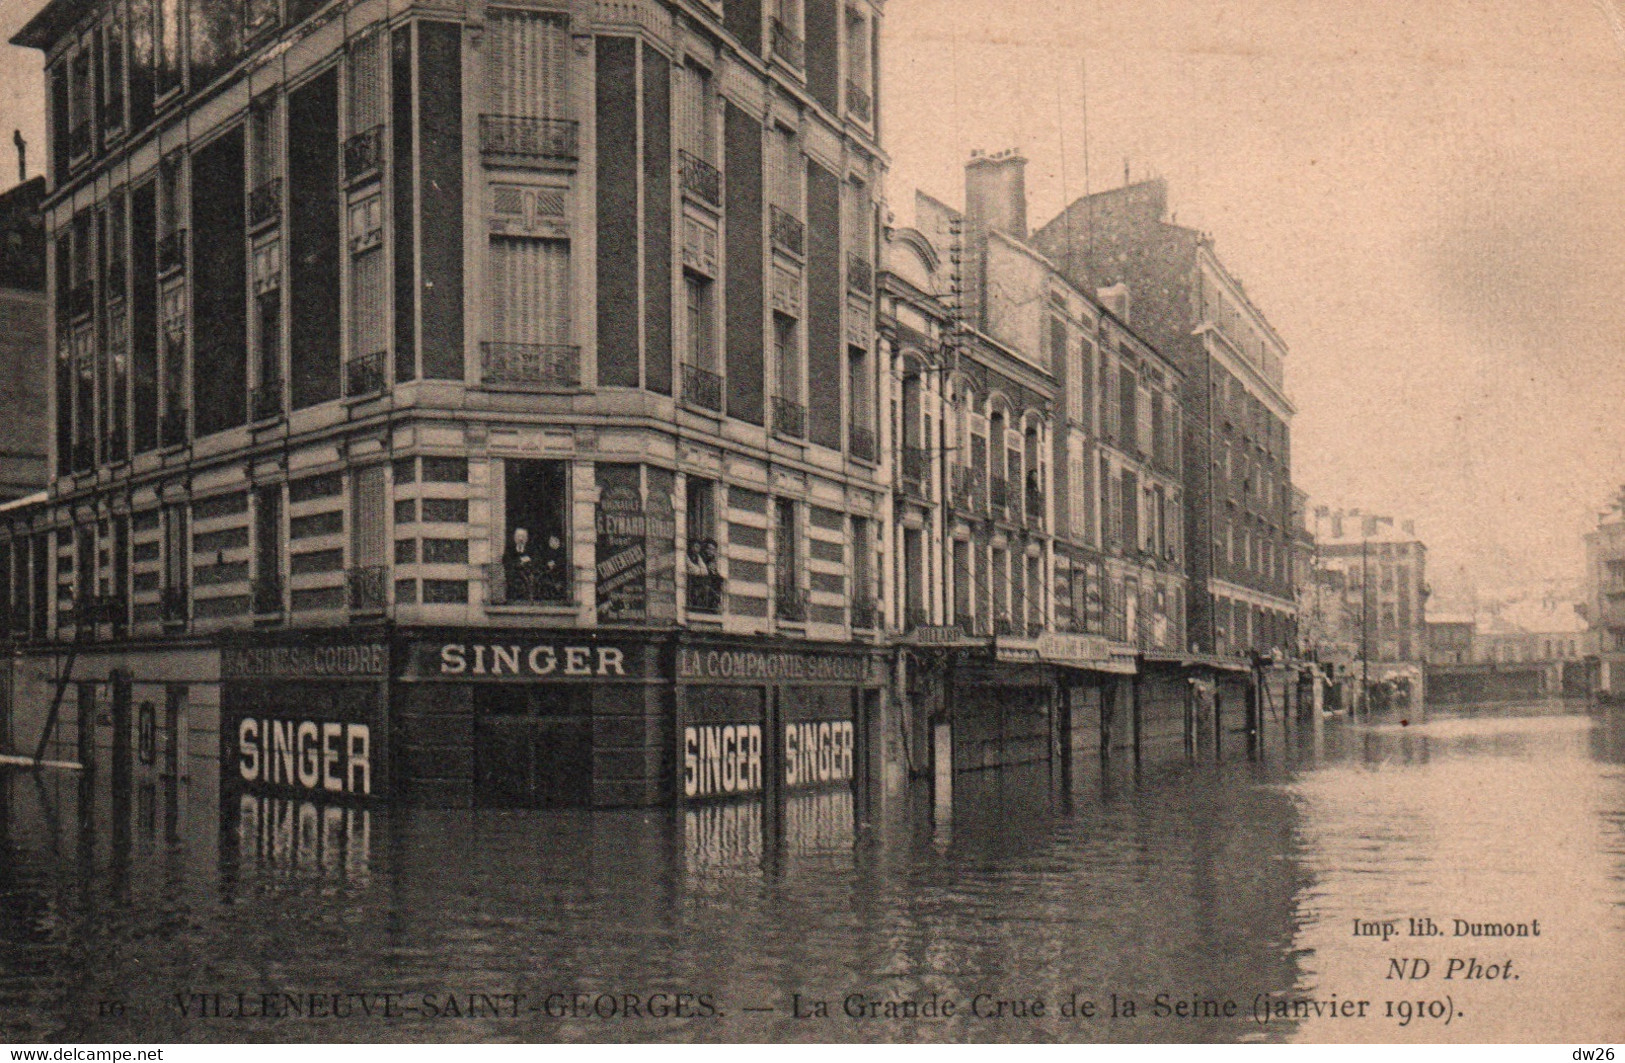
column 533, row 746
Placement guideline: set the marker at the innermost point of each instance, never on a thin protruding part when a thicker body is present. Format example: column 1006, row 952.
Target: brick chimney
column 995, row 200
column 996, row 193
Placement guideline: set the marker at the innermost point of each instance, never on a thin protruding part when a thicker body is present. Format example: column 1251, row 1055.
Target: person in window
column 521, row 568
column 554, row 581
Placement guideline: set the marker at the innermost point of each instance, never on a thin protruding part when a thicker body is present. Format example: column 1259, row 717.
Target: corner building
column 472, row 403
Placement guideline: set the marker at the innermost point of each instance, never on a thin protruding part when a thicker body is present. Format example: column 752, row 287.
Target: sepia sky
column 1422, row 195
column 1424, row 198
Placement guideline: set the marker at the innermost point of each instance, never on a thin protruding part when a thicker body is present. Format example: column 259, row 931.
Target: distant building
column 1238, row 456
column 1605, row 598
column 1382, row 571
column 1449, row 639
column 24, row 390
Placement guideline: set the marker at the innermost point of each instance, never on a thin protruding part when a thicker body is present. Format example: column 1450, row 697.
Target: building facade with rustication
column 470, row 402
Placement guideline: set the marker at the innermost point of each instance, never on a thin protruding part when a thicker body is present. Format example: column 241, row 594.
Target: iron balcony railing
column 1007, row 628
column 530, row 365
column 702, row 388
column 789, row 234
column 858, row 103
column 265, row 203
column 704, row 592
column 368, row 588
column 172, row 427
column 789, row 603
column 916, row 467
column 268, row 595
column 789, row 418
column 701, row 179
column 862, row 442
column 364, row 375
column 364, row 154
column 860, row 275
column 508, row 583
column 172, row 251
column 917, row 616
column 787, row 45
column 515, row 138
column 267, row 400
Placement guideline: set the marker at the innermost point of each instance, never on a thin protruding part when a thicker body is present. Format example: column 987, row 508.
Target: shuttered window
column 786, row 169
column 366, row 88
column 694, row 126
column 530, row 290
column 367, row 528
column 528, row 57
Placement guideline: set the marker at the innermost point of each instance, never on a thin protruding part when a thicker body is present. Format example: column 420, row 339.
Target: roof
column 51, row 22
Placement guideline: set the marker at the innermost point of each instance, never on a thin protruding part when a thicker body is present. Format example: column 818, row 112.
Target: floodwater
column 1242, row 901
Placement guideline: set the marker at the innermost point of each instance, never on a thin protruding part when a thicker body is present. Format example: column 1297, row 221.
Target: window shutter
column 528, row 57
column 530, row 290
column 367, row 517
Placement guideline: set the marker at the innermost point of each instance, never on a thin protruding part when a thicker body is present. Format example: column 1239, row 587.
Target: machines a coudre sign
column 302, row 719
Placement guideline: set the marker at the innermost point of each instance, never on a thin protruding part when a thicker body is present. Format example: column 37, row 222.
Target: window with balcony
column 789, row 414
column 171, row 214
column 787, row 32
column 860, row 397
column 535, row 565
column 530, row 315
column 364, row 147
column 268, row 399
column 80, row 103
column 857, row 223
column 702, row 564
column 177, row 565
column 790, row 601
column 369, row 335
column 265, row 161
column 695, row 111
column 916, row 611
column 786, row 170
column 112, row 44
column 702, row 386
column 526, row 120
column 859, row 80
column 268, row 550
column 865, row 601
column 175, row 416
column 367, row 575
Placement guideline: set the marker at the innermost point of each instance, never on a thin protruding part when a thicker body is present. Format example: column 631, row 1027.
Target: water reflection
column 1190, row 893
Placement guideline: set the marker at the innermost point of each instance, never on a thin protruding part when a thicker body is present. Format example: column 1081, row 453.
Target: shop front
column 304, row 753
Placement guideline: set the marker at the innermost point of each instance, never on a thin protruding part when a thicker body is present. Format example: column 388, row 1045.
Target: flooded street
column 1243, row 901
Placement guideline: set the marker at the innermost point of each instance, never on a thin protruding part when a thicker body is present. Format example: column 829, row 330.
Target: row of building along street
column 531, row 405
